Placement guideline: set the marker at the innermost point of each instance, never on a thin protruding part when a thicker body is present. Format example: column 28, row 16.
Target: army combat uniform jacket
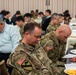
column 58, row 48
column 51, row 28
column 27, row 60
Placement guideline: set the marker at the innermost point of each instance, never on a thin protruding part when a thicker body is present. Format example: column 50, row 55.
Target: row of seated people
column 53, row 43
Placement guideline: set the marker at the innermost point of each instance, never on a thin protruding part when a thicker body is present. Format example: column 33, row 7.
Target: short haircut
column 36, row 10
column 3, row 11
column 28, row 15
column 41, row 13
column 18, row 12
column 49, row 11
column 61, row 15
column 20, row 18
column 29, row 27
column 54, row 15
column 6, row 13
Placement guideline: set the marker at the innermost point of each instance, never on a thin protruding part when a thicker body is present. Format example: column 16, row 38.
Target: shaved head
column 65, row 28
column 63, row 32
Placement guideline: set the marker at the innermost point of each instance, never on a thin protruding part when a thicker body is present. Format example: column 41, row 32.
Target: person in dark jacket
column 7, row 17
column 13, row 19
column 46, row 20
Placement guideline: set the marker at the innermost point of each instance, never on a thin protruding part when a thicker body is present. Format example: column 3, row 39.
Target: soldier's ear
column 26, row 33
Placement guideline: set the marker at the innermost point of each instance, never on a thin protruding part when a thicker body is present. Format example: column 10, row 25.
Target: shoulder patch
column 21, row 60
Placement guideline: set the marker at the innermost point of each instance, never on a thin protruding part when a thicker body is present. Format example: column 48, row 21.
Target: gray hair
column 54, row 15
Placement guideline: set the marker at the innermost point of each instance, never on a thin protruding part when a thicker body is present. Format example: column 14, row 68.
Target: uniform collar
column 28, row 47
column 54, row 37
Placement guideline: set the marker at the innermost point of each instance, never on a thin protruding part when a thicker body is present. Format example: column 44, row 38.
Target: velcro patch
column 21, row 60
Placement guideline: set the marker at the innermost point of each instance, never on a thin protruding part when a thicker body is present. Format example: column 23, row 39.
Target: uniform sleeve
column 20, row 63
column 46, row 43
column 23, row 66
column 50, row 28
column 62, row 53
column 15, row 37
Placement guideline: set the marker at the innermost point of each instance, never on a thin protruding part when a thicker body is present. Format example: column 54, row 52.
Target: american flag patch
column 20, row 61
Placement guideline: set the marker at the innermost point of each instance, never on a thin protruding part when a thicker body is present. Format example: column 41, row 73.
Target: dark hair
column 41, row 13
column 3, row 11
column 29, row 27
column 19, row 18
column 49, row 11
column 54, row 15
column 18, row 12
column 32, row 11
column 6, row 13
column 61, row 15
column 28, row 15
column 36, row 10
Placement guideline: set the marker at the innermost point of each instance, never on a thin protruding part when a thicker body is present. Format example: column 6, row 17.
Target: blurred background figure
column 2, row 13
column 13, row 19
column 27, row 17
column 61, row 19
column 20, row 24
column 53, row 23
column 39, row 17
column 32, row 13
column 36, row 13
column 7, row 18
column 46, row 20
column 67, row 17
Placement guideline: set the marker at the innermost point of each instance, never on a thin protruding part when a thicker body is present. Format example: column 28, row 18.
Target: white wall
column 27, row 5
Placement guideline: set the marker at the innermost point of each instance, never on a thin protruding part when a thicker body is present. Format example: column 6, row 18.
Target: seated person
column 27, row 18
column 20, row 24
column 54, row 44
column 29, row 59
column 7, row 17
column 53, row 23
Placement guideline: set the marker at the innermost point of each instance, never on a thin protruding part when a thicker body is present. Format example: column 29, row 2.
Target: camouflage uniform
column 51, row 28
column 58, row 25
column 58, row 48
column 27, row 60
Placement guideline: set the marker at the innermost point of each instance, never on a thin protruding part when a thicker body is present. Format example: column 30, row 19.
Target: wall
column 27, row 5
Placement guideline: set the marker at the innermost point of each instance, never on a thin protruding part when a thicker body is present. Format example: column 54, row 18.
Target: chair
column 3, row 70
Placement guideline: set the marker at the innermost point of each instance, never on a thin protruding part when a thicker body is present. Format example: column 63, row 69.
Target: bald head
column 63, row 32
column 65, row 28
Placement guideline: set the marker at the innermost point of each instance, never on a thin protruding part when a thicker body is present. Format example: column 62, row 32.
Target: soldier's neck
column 25, row 41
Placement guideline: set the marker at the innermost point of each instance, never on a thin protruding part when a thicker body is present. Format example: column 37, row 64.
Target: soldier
column 54, row 44
column 53, row 23
column 20, row 24
column 29, row 59
column 28, row 18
